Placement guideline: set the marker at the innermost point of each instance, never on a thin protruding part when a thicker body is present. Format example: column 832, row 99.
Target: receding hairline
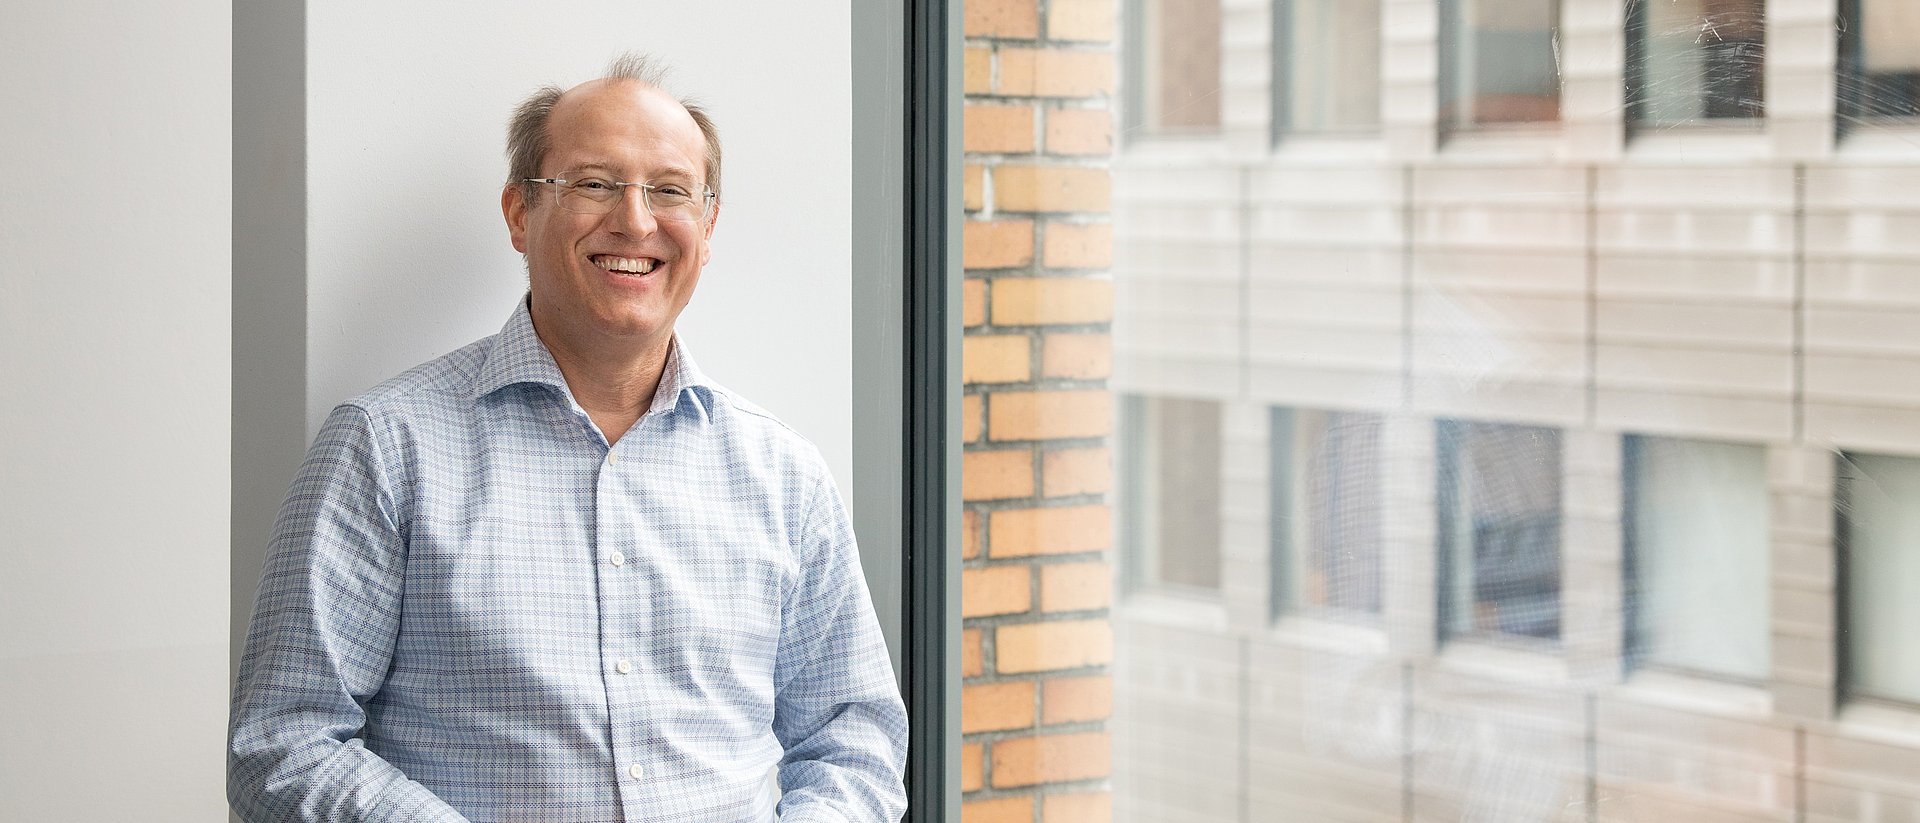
column 529, row 135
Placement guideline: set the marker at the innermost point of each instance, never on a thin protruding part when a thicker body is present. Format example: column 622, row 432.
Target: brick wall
column 1036, row 579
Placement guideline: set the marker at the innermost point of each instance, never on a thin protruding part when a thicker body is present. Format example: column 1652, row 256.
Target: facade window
column 1879, row 503
column 1695, row 61
column 1500, row 63
column 1697, row 570
column 1499, row 506
column 1326, row 66
column 1326, row 512
column 1173, row 70
column 1880, row 59
column 1170, row 506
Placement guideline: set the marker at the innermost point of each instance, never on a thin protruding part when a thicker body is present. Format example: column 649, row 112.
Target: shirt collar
column 518, row 356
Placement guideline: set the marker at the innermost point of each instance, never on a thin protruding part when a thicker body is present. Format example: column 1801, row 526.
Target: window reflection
column 1501, row 64
column 1694, row 61
column 1171, row 493
column 1697, row 557
column 1326, row 512
column 1880, row 508
column 1500, row 529
column 1880, row 59
column 1175, row 66
column 1327, row 65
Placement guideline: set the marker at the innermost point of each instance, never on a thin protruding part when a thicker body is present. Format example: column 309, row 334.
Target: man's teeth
column 629, row 265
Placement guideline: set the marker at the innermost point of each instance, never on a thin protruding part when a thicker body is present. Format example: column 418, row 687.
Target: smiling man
column 560, row 575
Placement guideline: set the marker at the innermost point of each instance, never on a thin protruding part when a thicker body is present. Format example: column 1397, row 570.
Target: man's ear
column 513, row 206
column 706, row 237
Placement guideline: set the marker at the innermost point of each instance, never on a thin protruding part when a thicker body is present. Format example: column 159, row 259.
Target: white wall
column 114, row 308
column 407, row 254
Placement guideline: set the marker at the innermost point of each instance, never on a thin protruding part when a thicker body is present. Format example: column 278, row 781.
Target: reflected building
column 1520, row 410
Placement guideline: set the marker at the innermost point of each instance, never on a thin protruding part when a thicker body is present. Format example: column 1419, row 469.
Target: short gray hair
column 528, row 139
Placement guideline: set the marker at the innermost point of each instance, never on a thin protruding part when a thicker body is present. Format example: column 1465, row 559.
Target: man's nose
column 631, row 215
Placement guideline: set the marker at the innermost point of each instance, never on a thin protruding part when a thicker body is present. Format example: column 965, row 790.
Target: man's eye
column 672, row 191
column 593, row 184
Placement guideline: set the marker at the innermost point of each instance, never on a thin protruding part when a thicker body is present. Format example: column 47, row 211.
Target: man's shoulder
column 447, row 377
column 747, row 421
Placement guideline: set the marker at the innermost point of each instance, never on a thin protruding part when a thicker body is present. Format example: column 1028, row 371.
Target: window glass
column 1326, row 508
column 1172, row 491
column 1880, row 506
column 1501, row 62
column 1176, row 67
column 1693, row 61
column 1499, row 491
column 1697, row 556
column 1327, row 65
column 1880, row 59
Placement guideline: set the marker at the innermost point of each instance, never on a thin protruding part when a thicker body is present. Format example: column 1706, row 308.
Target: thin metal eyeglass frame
column 559, row 198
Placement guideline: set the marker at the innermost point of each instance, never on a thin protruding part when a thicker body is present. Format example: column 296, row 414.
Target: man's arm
column 322, row 636
column 837, row 710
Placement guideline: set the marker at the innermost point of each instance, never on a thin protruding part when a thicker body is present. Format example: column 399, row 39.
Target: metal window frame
column 906, row 348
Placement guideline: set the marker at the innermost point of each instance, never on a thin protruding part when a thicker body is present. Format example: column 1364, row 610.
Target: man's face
column 582, row 267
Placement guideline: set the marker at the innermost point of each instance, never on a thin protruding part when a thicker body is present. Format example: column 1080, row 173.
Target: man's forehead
column 589, row 115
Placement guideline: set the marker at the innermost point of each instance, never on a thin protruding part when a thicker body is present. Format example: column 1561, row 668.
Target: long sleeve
column 837, row 708
column 320, row 643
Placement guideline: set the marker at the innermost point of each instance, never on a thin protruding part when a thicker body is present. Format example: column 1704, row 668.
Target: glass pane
column 1697, row 60
column 1502, row 62
column 1444, row 427
column 1327, row 70
column 1696, row 543
column 1881, row 511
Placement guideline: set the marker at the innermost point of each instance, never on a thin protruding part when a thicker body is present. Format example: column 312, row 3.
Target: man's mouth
column 624, row 266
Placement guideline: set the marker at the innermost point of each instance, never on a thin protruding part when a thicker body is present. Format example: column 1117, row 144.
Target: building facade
column 1519, row 410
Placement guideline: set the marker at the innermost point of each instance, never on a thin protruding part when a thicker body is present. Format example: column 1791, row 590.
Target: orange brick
column 995, row 358
column 973, row 302
column 1013, row 73
column 1067, row 587
column 970, row 767
column 990, row 127
column 996, row 244
column 997, row 707
column 1076, row 356
column 1052, row 530
column 969, row 534
column 1021, row 188
column 972, row 657
column 1054, row 758
column 1001, row 18
column 998, row 810
column 972, row 187
column 970, row 418
column 1088, row 807
column 1049, row 415
column 1079, row 131
column 1084, row 20
column 996, row 475
column 976, row 71
column 1076, row 699
column 1079, row 245
column 1055, row 73
column 1050, row 646
column 1076, row 471
column 995, row 590
column 1035, row 301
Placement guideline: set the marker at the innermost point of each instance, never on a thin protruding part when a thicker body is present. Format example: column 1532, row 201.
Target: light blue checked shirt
column 473, row 609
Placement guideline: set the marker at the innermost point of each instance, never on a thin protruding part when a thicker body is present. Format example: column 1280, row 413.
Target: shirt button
column 634, row 771
column 617, row 559
column 611, row 459
column 623, row 667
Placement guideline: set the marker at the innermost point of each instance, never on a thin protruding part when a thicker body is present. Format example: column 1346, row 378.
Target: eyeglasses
column 598, row 195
